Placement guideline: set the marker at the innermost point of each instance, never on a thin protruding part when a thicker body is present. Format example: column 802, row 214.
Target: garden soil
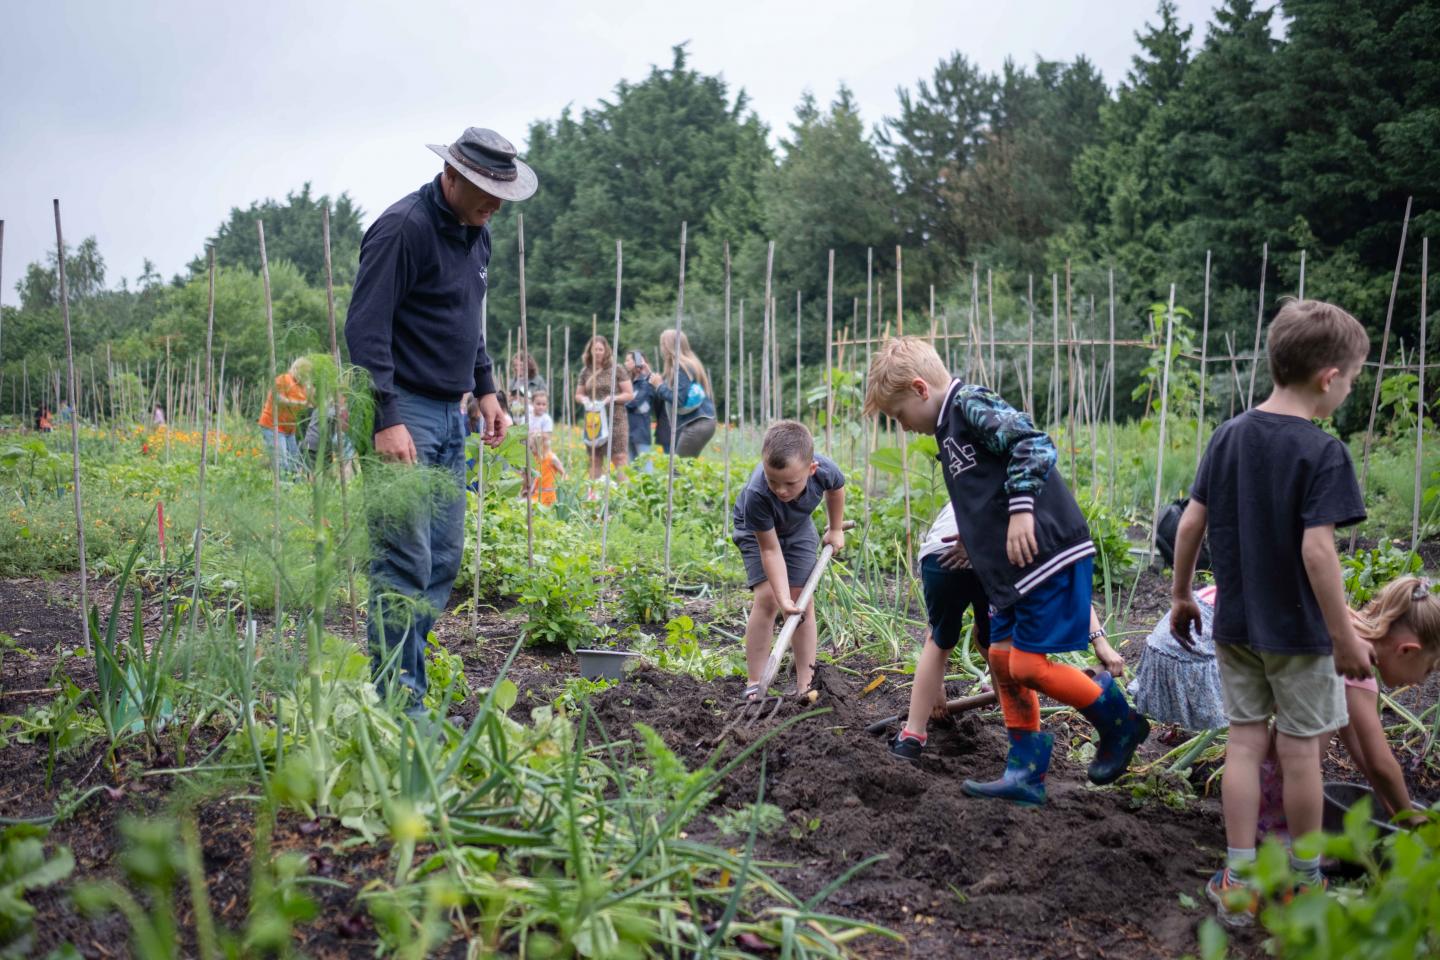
column 1089, row 874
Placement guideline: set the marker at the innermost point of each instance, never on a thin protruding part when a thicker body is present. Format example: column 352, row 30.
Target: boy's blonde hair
column 899, row 362
column 1308, row 336
column 1406, row 601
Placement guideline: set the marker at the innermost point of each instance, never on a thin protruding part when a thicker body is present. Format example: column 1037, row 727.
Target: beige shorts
column 1302, row 692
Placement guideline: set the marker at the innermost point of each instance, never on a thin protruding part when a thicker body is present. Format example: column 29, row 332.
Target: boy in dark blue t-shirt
column 1031, row 548
column 1271, row 490
column 777, row 541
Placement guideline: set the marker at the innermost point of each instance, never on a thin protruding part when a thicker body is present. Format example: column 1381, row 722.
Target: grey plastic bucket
column 606, row 664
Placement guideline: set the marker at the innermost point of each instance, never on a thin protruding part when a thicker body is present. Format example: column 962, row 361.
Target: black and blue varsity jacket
column 997, row 462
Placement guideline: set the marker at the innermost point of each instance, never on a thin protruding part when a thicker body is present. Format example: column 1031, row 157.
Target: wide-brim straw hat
column 488, row 160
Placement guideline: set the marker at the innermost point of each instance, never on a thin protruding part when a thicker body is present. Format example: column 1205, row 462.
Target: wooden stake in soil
column 525, row 349
column 764, row 412
column 1380, row 371
column 675, row 394
column 275, row 414
column 729, row 427
column 867, row 430
column 1420, row 399
column 1164, row 414
column 609, row 444
column 204, row 441
column 899, row 295
column 340, row 454
column 1111, row 388
column 1055, row 382
column 1030, row 350
column 1259, row 322
column 799, row 412
column 744, row 383
column 1204, row 351
column 829, row 359
column 480, row 479
column 74, row 435
column 1302, row 274
column 990, row 309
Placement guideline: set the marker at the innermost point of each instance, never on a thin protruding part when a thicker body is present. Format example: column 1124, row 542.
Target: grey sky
column 150, row 120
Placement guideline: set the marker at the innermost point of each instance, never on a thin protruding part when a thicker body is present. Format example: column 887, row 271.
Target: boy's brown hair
column 899, row 362
column 785, row 443
column 1308, row 336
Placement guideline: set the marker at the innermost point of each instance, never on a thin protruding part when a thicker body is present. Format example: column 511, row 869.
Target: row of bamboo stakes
column 1074, row 400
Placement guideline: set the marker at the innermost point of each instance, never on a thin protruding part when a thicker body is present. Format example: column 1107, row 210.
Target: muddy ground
column 1093, row 873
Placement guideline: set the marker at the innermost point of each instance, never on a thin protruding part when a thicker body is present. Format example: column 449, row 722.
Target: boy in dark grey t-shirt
column 1271, row 489
column 777, row 541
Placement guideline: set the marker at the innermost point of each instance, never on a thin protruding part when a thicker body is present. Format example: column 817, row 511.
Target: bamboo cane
column 1164, row 411
column 931, row 316
column 867, row 431
column 1111, row 391
column 1259, row 322
column 744, row 383
column 610, row 441
column 530, row 475
column 1380, row 373
column 275, row 421
column 1070, row 362
column 340, row 454
column 990, row 309
column 799, row 412
column 74, row 435
column 480, row 479
column 1030, row 349
column 1302, row 274
column 1420, row 398
column 765, row 321
column 1204, row 350
column 204, row 441
column 675, row 401
column 1055, row 382
column 899, row 294
column 729, row 427
column 829, row 359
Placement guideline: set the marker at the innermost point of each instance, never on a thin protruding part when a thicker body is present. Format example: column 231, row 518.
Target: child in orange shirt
column 549, row 468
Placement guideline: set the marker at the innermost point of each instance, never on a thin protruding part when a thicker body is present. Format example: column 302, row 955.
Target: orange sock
column 1019, row 704
column 1058, row 681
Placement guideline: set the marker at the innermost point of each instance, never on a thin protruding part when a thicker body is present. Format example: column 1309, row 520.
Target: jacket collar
column 945, row 404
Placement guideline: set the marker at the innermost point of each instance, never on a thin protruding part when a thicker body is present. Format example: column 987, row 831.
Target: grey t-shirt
column 757, row 507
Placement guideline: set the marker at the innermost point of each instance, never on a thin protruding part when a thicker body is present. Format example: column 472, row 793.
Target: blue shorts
column 1054, row 617
column 948, row 594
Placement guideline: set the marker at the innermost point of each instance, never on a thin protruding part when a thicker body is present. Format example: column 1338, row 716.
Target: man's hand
column 1354, row 658
column 1020, row 545
column 954, row 557
column 836, row 538
column 494, row 421
column 395, row 443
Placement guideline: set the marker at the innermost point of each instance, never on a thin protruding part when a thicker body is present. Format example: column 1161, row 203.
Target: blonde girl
column 693, row 415
column 548, row 470
column 599, row 376
column 1402, row 623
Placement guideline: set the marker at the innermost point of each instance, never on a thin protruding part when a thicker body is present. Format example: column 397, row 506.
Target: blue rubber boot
column 1024, row 778
column 1121, row 729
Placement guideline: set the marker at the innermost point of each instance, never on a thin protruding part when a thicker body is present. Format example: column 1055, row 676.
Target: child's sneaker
column 1235, row 903
column 907, row 746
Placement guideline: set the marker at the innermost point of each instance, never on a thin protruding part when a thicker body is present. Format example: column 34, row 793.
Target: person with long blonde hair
column 693, row 413
column 603, row 382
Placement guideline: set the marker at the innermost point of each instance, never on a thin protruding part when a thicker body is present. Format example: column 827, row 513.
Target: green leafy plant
column 645, row 597
column 556, row 602
column 24, row 867
column 1366, row 571
column 767, row 818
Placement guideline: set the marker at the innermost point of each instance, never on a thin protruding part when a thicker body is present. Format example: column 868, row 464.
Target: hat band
column 496, row 170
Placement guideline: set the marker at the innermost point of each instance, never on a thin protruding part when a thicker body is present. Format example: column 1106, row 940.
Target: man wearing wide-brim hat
column 414, row 324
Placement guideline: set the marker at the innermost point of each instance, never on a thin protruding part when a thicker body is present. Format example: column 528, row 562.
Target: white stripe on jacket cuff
column 1022, row 503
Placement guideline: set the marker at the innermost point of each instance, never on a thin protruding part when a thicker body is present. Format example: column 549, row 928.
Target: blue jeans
column 284, row 446
column 417, row 555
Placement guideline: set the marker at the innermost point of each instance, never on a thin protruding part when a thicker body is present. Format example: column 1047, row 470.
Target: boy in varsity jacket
column 1031, row 548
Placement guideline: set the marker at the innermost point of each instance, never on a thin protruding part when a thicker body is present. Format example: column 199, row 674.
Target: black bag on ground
column 1167, row 527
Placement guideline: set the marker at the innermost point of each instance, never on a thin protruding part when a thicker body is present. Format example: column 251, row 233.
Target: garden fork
column 764, row 706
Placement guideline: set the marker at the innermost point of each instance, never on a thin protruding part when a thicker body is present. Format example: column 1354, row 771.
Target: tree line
column 1303, row 135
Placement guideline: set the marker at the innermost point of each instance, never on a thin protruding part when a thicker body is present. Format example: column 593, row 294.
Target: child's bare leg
column 1240, row 785
column 802, row 644
column 1300, row 766
column 758, row 631
column 929, row 677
